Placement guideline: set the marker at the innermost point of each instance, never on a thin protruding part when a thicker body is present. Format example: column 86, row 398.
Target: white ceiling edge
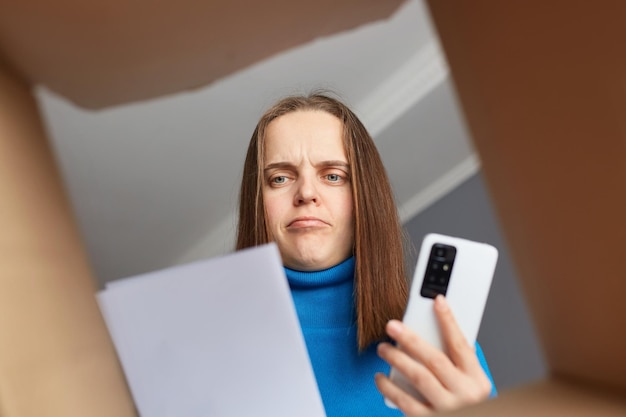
column 443, row 185
column 420, row 75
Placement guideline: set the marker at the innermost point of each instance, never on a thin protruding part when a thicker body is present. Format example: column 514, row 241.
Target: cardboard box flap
column 543, row 87
column 103, row 53
column 548, row 399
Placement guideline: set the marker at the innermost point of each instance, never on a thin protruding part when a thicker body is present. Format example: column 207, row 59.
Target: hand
column 447, row 382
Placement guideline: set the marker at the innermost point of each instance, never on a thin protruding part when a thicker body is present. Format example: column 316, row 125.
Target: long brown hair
column 381, row 287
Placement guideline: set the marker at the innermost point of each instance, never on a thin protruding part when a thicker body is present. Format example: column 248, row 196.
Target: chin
column 305, row 255
column 309, row 264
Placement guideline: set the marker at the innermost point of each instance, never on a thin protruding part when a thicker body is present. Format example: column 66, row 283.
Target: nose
column 306, row 192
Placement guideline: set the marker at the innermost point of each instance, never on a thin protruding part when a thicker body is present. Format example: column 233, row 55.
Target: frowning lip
column 306, row 221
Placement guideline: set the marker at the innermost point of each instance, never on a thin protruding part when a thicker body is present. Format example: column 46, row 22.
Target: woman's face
column 306, row 189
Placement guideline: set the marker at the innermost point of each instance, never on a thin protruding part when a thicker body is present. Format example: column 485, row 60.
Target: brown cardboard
column 101, row 53
column 548, row 399
column 543, row 88
column 542, row 85
column 56, row 358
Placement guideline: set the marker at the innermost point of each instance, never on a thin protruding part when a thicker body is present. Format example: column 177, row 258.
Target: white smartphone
column 461, row 270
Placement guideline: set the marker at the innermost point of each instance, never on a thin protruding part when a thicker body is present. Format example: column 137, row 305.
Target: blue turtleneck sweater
column 345, row 377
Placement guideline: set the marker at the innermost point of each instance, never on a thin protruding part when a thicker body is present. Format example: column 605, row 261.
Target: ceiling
column 155, row 182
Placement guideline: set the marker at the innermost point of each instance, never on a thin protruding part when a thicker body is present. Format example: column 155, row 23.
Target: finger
column 416, row 374
column 436, row 361
column 460, row 351
column 406, row 403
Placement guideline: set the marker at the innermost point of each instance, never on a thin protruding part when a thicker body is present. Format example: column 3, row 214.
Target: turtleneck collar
column 332, row 276
column 324, row 299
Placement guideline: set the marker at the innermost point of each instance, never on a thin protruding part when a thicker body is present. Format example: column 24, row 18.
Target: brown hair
column 381, row 287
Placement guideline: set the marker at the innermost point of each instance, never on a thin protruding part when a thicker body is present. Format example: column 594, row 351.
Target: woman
column 313, row 182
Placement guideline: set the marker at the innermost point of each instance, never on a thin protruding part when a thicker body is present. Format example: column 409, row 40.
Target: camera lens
column 440, row 252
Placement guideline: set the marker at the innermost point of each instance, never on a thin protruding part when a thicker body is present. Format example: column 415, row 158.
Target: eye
column 281, row 179
column 336, row 178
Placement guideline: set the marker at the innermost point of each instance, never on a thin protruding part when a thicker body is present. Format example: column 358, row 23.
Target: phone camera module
column 438, row 270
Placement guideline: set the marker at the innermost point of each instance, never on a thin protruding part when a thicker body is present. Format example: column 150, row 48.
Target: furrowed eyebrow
column 337, row 163
column 276, row 165
column 333, row 163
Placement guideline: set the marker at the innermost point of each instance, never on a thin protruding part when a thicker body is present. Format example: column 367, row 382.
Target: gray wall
column 506, row 334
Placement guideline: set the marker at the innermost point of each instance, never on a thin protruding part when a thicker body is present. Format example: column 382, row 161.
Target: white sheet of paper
column 215, row 338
